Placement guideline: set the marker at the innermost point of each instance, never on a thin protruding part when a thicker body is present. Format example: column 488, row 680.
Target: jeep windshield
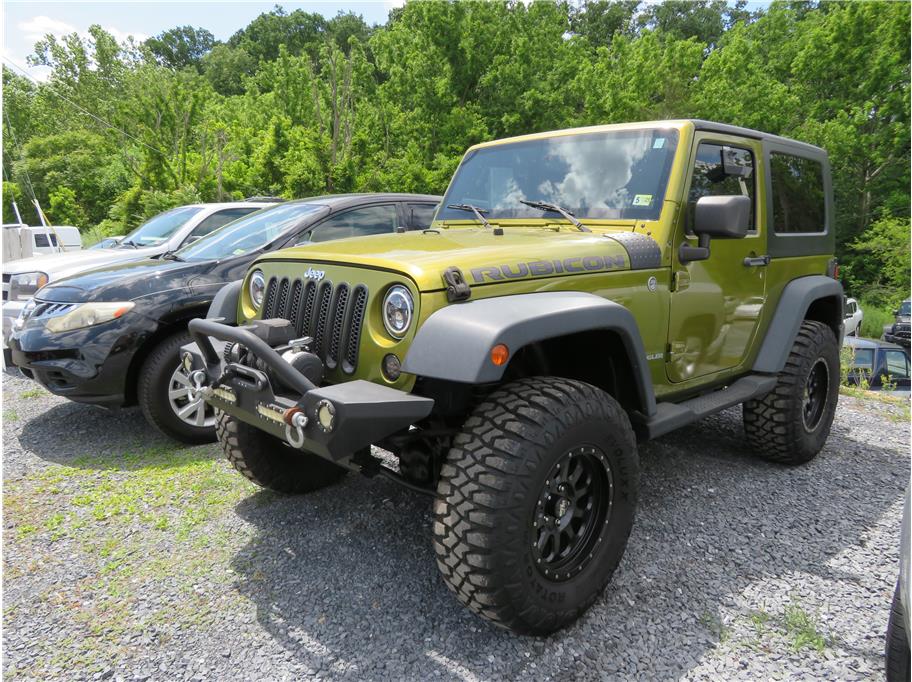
column 619, row 175
column 253, row 231
column 905, row 309
column 156, row 230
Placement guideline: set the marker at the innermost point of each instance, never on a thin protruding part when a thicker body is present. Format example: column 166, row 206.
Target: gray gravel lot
column 126, row 557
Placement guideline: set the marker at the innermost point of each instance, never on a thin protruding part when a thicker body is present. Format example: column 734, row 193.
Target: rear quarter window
column 799, row 201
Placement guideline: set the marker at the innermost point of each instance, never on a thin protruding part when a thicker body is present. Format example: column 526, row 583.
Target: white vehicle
column 853, row 317
column 165, row 232
column 24, row 241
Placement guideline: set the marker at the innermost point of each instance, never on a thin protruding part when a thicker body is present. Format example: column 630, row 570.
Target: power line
column 49, row 88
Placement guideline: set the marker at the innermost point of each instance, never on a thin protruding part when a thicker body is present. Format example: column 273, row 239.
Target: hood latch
column 456, row 287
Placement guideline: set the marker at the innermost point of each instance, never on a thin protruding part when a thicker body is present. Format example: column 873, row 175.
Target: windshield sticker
column 642, row 200
column 543, row 268
column 659, row 143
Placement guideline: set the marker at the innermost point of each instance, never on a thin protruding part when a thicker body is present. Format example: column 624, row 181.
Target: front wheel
column 535, row 503
column 791, row 423
column 169, row 399
column 270, row 462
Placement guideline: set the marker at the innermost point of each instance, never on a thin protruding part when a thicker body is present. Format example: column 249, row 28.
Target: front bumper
column 10, row 311
column 88, row 365
column 362, row 412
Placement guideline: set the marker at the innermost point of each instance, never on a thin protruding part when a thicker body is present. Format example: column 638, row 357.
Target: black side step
column 670, row 416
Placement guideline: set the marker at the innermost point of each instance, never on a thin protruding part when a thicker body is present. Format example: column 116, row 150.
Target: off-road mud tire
column 271, row 463
column 775, row 424
column 492, row 483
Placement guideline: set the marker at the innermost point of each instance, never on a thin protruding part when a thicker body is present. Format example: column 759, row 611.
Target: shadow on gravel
column 345, row 579
column 88, row 437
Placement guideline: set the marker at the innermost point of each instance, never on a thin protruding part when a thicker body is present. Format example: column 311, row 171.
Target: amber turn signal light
column 500, row 354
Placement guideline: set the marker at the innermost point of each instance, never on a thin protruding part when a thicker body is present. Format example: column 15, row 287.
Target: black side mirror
column 722, row 217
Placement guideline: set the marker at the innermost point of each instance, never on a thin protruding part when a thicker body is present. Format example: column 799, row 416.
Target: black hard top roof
column 727, row 129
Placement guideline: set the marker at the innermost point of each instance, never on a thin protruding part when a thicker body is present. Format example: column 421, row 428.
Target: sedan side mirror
column 722, row 217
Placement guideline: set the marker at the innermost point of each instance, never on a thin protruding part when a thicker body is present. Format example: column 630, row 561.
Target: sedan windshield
column 245, row 234
column 160, row 228
column 607, row 175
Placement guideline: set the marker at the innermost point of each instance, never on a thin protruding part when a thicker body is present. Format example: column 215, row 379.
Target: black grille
column 7, row 277
column 332, row 315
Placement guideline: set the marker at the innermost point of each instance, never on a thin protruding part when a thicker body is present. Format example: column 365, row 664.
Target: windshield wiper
column 554, row 208
column 132, row 245
column 479, row 212
column 172, row 255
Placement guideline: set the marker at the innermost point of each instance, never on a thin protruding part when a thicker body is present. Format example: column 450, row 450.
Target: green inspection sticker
column 642, row 200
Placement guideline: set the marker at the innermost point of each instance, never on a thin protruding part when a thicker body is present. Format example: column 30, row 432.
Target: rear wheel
column 791, row 423
column 169, row 399
column 270, row 462
column 535, row 503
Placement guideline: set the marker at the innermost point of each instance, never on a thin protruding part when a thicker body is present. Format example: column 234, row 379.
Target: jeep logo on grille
column 315, row 275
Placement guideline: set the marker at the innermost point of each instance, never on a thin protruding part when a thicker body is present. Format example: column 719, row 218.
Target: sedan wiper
column 171, row 255
column 132, row 245
column 479, row 212
column 554, row 208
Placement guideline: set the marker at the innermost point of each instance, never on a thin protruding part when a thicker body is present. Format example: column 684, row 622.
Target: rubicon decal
column 543, row 268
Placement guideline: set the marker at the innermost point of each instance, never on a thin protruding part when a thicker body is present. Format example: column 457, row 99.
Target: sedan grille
column 332, row 314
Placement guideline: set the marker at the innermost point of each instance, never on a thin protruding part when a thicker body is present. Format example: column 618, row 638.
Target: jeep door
column 716, row 303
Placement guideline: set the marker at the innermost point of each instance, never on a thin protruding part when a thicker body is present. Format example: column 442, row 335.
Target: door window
column 897, row 364
column 710, row 179
column 864, row 360
column 219, row 218
column 359, row 222
column 420, row 216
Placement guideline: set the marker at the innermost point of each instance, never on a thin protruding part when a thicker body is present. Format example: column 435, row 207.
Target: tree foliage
column 297, row 104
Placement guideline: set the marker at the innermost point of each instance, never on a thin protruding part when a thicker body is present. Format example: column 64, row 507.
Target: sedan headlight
column 25, row 284
column 398, row 309
column 87, row 315
column 257, row 288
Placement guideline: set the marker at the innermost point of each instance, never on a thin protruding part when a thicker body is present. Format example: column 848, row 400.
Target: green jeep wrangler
column 578, row 290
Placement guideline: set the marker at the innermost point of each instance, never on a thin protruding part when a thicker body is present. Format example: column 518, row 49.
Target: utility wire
column 49, row 88
column 9, row 126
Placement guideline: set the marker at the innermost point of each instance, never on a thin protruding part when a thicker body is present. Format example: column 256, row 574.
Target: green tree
column 65, row 210
column 181, row 47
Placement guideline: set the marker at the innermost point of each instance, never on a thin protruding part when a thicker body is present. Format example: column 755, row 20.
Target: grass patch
column 10, row 416
column 714, row 624
column 875, row 319
column 33, row 393
column 801, row 628
column 135, row 522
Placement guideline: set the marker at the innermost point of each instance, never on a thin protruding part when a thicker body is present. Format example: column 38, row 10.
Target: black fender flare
column 455, row 342
column 794, row 303
column 225, row 304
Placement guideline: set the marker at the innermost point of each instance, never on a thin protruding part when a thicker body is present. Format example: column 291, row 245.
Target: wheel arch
column 549, row 332
column 168, row 326
column 814, row 297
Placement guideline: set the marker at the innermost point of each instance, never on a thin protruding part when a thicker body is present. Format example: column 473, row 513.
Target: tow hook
column 295, row 421
column 198, row 378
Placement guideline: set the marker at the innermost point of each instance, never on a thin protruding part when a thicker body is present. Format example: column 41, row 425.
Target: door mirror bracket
column 688, row 253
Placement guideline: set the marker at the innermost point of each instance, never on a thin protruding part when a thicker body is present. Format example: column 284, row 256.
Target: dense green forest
column 295, row 104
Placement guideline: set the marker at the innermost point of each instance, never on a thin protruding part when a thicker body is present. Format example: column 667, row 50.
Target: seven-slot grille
column 332, row 315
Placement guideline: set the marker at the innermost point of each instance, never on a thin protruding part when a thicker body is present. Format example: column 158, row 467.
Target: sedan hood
column 57, row 265
column 126, row 282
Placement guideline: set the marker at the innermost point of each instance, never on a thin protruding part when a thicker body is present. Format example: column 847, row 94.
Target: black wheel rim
column 572, row 513
column 816, row 390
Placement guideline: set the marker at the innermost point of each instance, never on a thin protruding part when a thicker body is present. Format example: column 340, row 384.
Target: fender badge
column 652, row 284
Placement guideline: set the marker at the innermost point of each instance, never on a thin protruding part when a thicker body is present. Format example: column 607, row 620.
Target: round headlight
column 397, row 310
column 257, row 288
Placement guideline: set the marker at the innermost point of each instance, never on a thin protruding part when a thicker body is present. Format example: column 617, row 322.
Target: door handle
column 756, row 261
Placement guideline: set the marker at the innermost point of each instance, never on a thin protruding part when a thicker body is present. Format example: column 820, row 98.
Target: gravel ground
column 127, row 557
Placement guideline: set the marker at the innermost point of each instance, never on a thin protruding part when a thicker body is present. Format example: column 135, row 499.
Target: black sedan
column 111, row 337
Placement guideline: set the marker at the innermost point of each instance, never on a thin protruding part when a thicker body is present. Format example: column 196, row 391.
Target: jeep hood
column 482, row 255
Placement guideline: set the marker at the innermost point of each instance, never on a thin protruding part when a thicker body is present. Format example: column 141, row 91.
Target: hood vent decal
column 643, row 251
